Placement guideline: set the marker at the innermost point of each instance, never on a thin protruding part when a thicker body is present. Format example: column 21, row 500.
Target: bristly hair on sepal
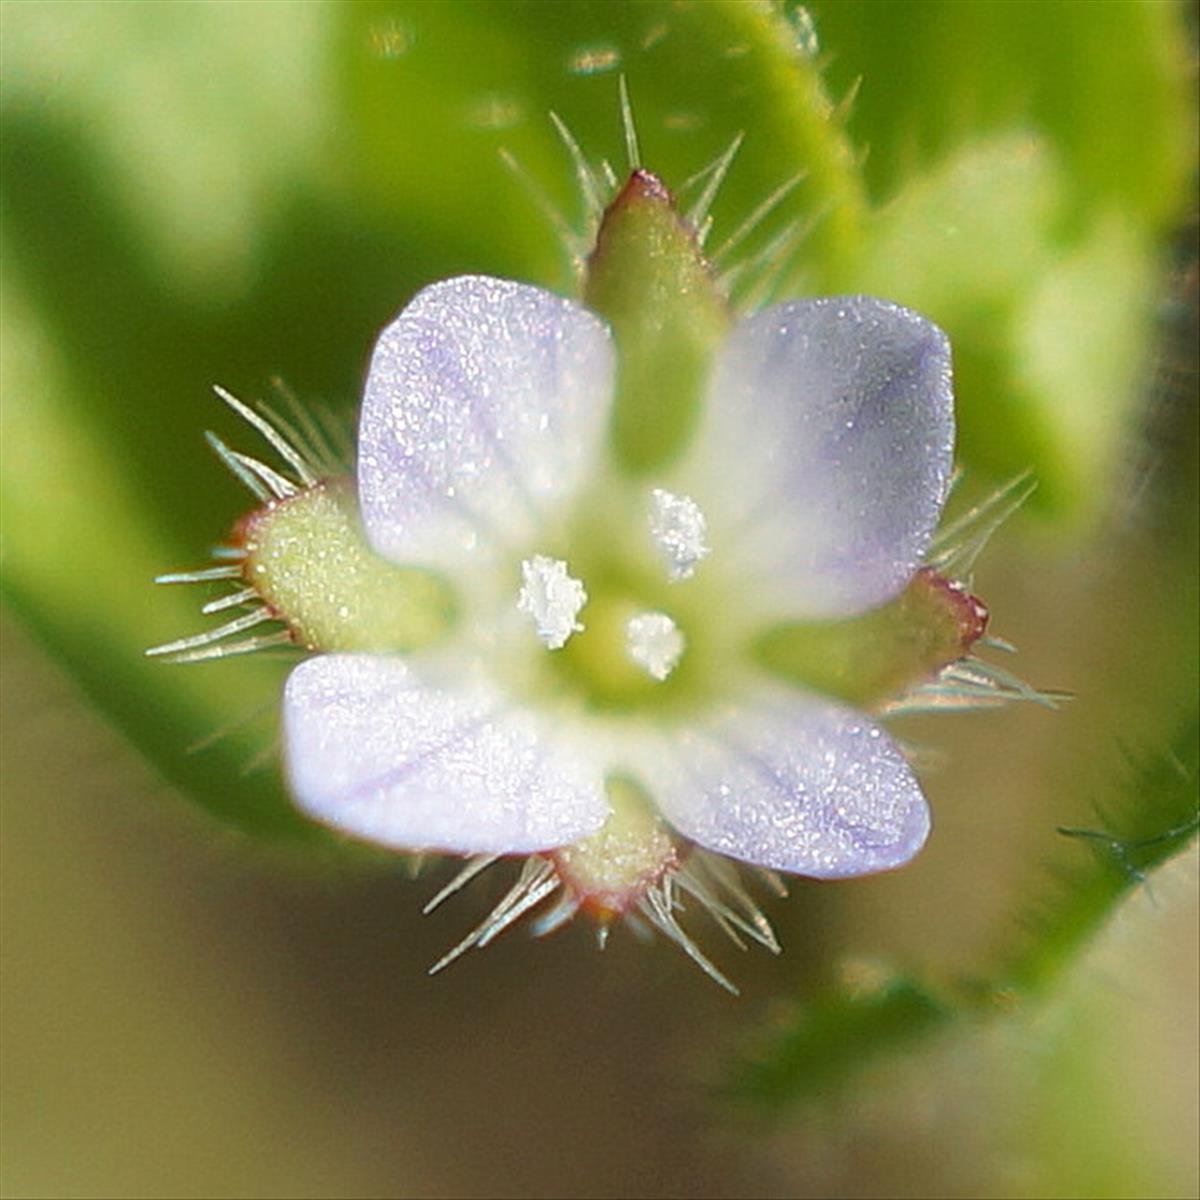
column 543, row 893
column 972, row 683
column 311, row 445
column 750, row 282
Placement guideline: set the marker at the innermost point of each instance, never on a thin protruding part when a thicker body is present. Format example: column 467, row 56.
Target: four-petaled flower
column 605, row 618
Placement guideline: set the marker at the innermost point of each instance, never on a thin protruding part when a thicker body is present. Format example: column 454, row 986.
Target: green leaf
column 1024, row 155
column 830, row 1040
column 1107, row 85
column 1152, row 818
column 435, row 91
column 1048, row 337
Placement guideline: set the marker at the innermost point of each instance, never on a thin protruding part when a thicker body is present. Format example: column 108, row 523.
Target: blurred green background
column 212, row 999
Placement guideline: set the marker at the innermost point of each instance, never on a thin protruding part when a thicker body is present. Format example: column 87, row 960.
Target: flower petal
column 793, row 783
column 829, row 432
column 485, row 406
column 380, row 753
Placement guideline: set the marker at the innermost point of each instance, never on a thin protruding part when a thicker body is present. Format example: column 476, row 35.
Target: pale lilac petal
column 791, row 782
column 486, row 407
column 383, row 754
column 825, row 454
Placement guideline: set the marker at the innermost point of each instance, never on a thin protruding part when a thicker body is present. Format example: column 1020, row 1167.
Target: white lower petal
column 380, row 753
column 485, row 409
column 825, row 453
column 790, row 782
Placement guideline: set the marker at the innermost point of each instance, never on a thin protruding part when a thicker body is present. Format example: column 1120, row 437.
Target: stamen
column 552, row 598
column 679, row 531
column 654, row 642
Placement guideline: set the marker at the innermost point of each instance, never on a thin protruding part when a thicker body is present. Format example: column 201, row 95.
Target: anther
column 654, row 642
column 679, row 531
column 552, row 598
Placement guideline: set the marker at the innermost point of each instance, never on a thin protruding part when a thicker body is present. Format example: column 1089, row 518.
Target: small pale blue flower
column 809, row 490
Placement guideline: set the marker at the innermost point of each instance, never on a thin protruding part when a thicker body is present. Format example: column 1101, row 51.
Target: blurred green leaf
column 121, row 311
column 81, row 547
column 1151, row 818
column 1026, row 155
column 1048, row 339
column 200, row 119
column 822, row 1047
column 1119, row 1026
column 434, row 92
column 1108, row 85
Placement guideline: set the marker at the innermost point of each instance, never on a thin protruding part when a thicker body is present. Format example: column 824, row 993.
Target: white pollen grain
column 679, row 531
column 654, row 642
column 552, row 597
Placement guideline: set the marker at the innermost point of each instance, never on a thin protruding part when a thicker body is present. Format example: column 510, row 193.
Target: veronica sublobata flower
column 593, row 693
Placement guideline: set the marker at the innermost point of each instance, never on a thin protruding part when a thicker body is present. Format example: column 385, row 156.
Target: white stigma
column 654, row 642
column 679, row 530
column 552, row 598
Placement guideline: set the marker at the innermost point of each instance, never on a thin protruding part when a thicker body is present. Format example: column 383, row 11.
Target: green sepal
column 611, row 870
column 309, row 560
column 876, row 657
column 649, row 280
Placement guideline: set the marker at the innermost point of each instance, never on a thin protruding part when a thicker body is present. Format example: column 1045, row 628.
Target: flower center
column 627, row 656
column 612, row 595
column 622, row 639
